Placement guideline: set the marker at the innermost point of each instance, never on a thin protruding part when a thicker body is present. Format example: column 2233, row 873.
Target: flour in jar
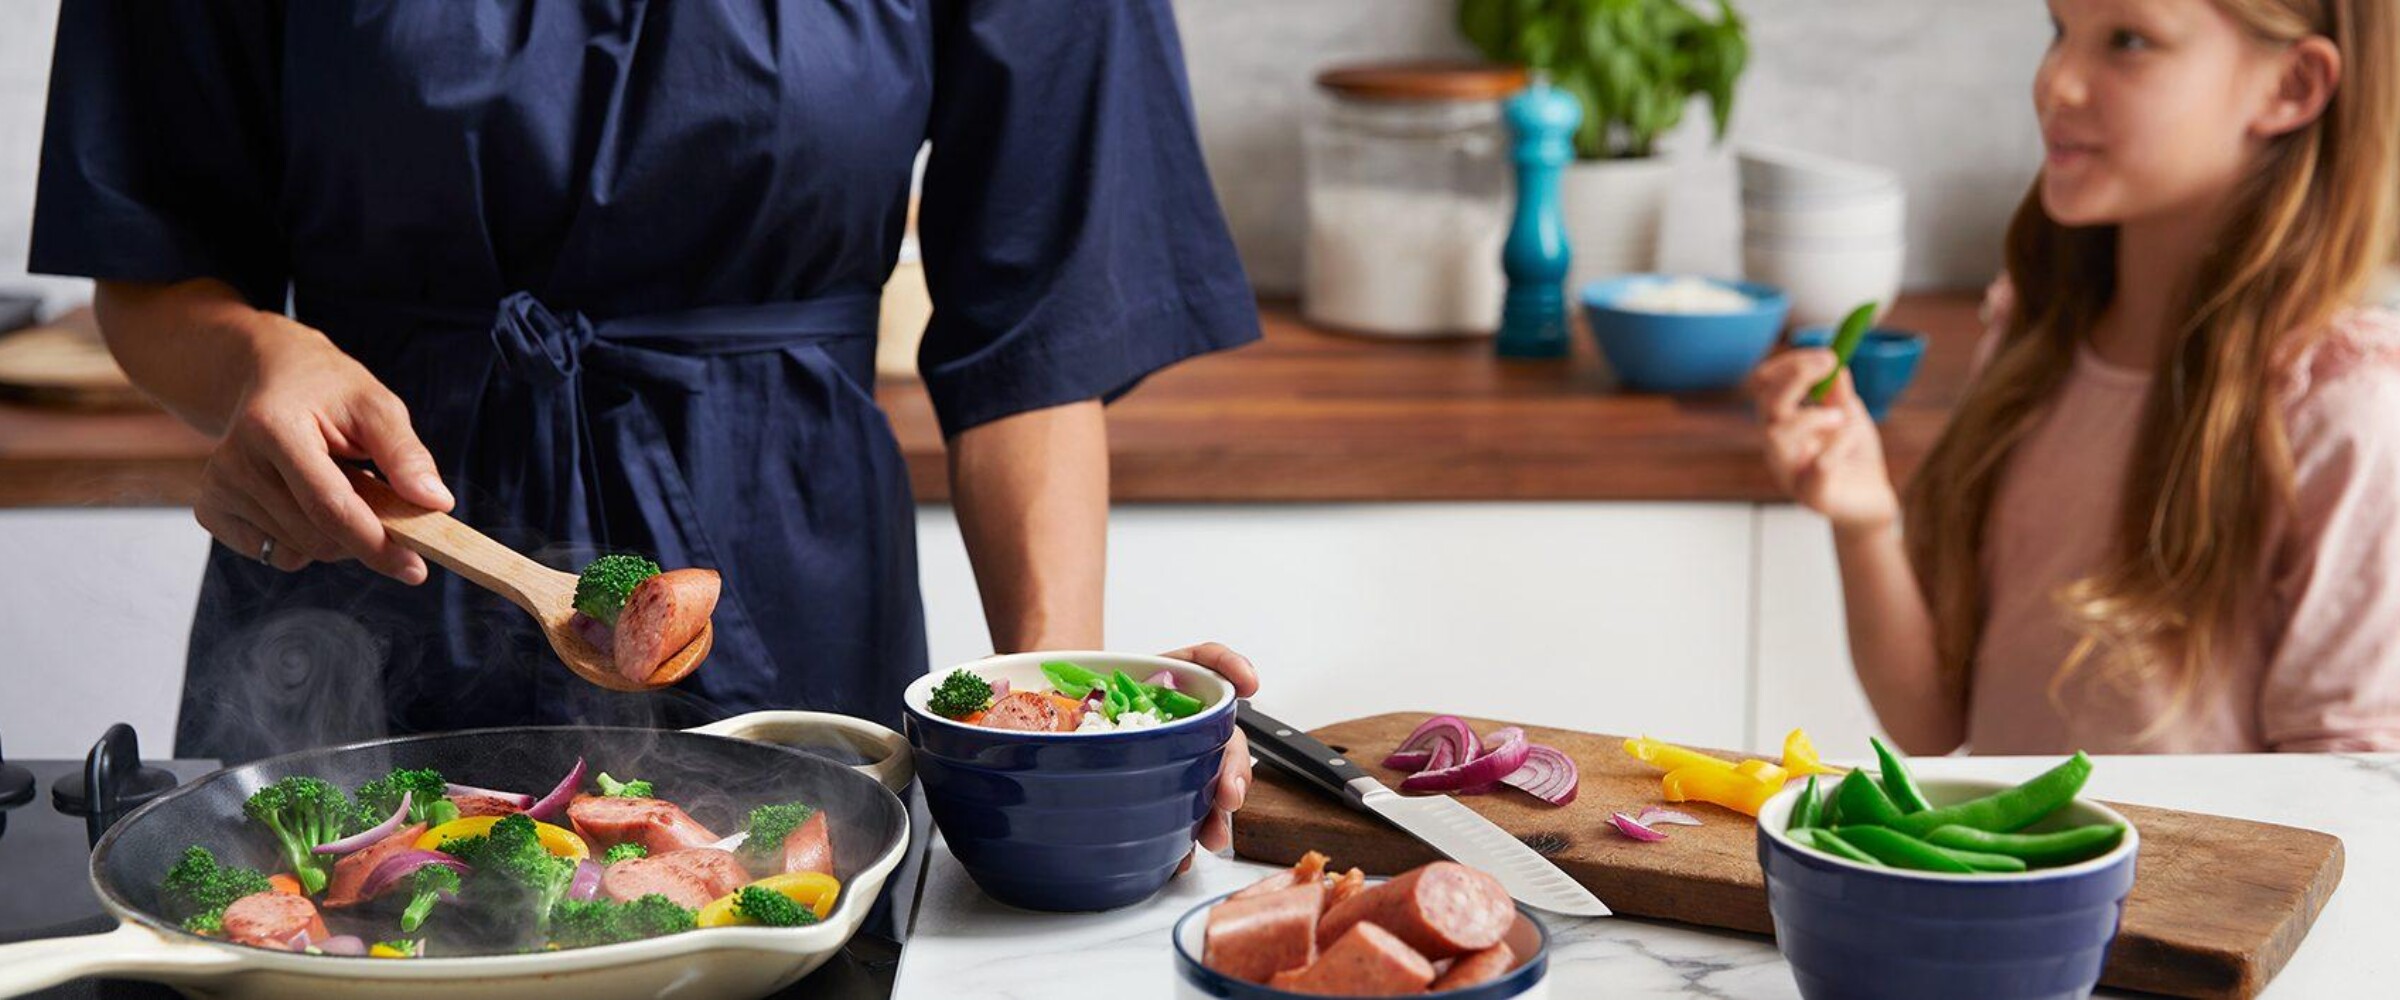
column 1404, row 262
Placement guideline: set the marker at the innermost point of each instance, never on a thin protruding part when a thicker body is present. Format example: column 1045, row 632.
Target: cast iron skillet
column 715, row 773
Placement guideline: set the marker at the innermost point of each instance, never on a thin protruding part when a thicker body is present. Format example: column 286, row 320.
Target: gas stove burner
column 16, row 785
column 123, row 782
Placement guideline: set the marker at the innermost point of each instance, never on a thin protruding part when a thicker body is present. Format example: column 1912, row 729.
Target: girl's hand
column 1233, row 777
column 1827, row 457
column 273, row 474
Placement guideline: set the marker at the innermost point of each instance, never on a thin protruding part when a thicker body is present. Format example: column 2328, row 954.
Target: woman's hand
column 273, row 473
column 1829, row 457
column 1233, row 777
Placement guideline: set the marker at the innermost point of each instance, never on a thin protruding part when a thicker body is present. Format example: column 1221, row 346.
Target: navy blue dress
column 622, row 262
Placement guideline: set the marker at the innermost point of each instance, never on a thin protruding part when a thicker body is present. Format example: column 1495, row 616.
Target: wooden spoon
column 547, row 594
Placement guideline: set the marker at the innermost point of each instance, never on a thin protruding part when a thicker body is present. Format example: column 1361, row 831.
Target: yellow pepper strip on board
column 1669, row 757
column 1728, row 787
column 1763, row 771
column 1800, row 757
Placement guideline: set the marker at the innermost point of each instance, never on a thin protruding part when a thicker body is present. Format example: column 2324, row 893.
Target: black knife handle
column 1292, row 749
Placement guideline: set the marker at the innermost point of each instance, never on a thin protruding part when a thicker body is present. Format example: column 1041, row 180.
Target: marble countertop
column 964, row 945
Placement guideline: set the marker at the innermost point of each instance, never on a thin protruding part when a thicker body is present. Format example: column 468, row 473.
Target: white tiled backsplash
column 1936, row 89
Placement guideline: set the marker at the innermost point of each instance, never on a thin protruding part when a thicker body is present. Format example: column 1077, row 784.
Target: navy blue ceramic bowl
column 1530, row 980
column 1071, row 821
column 1682, row 352
column 1860, row 933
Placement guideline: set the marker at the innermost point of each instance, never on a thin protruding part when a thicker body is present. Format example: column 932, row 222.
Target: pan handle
column 892, row 763
column 130, row 950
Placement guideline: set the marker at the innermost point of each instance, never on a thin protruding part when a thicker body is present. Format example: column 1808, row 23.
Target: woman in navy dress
column 604, row 277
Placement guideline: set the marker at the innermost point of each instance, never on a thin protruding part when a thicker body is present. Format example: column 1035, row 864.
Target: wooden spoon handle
column 463, row 550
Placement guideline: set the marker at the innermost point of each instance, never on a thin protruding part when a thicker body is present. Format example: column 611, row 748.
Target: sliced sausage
column 662, row 615
column 272, row 919
column 1366, row 961
column 1027, row 712
column 1310, row 866
column 657, row 824
column 1478, row 968
column 692, row 878
column 1444, row 910
column 809, row 848
column 1253, row 939
column 350, row 873
column 483, row 805
column 1344, row 887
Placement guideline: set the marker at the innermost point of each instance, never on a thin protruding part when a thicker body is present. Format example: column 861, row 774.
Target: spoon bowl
column 546, row 594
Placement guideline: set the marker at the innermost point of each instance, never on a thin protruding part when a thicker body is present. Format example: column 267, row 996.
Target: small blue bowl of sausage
column 1442, row 930
column 1060, row 797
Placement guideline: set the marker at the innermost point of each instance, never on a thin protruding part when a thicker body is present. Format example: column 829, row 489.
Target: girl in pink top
column 2166, row 514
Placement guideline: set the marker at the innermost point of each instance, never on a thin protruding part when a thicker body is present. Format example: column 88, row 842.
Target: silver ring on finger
column 266, row 551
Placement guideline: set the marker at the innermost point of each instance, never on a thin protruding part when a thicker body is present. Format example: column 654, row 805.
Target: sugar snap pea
column 1900, row 850
column 1863, row 802
column 1827, row 841
column 1846, row 339
column 1901, row 785
column 1804, row 810
column 2004, row 811
column 2039, row 850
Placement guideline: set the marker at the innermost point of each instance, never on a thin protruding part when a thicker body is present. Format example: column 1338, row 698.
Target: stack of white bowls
column 1830, row 233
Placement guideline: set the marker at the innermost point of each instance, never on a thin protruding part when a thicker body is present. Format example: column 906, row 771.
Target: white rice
column 1094, row 722
column 1682, row 295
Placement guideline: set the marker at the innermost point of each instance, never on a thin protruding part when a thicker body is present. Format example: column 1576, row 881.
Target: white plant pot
column 1614, row 211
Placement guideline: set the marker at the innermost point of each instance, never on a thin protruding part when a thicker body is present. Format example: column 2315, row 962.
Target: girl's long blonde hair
column 2306, row 234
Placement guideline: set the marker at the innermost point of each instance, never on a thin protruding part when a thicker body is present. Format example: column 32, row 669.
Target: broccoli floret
column 614, row 789
column 198, row 889
column 427, row 886
column 603, row 587
column 582, row 924
column 960, row 695
column 624, row 852
column 762, row 905
column 304, row 812
column 770, row 825
column 428, row 800
column 510, row 861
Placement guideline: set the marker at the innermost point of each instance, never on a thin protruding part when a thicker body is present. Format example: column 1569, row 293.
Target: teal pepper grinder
column 1533, row 318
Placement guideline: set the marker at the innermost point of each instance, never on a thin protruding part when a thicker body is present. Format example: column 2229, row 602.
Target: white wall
column 26, row 27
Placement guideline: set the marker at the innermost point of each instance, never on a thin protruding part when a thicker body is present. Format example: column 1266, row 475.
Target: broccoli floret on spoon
column 603, row 587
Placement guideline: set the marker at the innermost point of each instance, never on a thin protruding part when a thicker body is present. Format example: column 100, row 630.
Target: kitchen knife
column 1438, row 820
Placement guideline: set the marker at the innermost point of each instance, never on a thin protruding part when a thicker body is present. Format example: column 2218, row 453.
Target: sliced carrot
column 974, row 719
column 285, row 884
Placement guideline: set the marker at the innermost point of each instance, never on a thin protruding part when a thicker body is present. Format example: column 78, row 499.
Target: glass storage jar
column 1409, row 196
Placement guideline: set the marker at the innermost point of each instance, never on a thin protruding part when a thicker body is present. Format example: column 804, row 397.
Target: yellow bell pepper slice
column 1763, row 771
column 1669, row 757
column 558, row 840
column 1724, row 786
column 815, row 890
column 1800, row 757
column 380, row 950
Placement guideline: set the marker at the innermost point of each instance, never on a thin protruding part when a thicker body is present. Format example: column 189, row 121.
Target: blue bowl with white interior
column 1682, row 351
column 1857, row 932
column 1071, row 822
column 1528, row 980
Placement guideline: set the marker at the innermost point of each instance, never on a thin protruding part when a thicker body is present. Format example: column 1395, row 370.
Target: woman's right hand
column 274, row 474
column 1828, row 457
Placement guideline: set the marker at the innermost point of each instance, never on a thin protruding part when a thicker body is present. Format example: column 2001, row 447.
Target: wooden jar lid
column 1424, row 80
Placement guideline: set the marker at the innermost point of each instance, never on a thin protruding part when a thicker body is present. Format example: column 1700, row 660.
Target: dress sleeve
column 1072, row 242
column 2333, row 682
column 159, row 154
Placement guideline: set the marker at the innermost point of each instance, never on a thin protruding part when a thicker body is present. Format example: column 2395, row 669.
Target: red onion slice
column 594, row 631
column 346, row 945
column 366, row 838
column 389, row 871
column 1547, row 774
column 549, row 806
column 1662, row 816
column 298, row 942
column 1000, row 689
column 1504, row 758
column 587, row 881
column 1163, row 678
column 1631, row 827
column 514, row 799
column 1429, row 737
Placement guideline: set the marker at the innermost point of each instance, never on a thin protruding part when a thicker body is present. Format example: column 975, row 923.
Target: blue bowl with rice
column 1664, row 333
column 1071, row 821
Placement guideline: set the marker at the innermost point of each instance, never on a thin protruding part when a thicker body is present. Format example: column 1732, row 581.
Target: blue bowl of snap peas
column 1870, row 915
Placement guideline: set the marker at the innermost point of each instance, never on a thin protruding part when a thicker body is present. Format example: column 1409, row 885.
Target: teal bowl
column 1682, row 352
column 1857, row 932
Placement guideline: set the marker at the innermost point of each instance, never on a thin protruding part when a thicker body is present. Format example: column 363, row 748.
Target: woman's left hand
column 1233, row 777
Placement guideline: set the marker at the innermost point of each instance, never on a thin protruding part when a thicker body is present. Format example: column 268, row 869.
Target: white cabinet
column 95, row 606
column 1804, row 677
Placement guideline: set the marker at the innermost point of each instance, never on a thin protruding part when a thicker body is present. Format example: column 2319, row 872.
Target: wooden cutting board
column 65, row 364
column 2218, row 904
